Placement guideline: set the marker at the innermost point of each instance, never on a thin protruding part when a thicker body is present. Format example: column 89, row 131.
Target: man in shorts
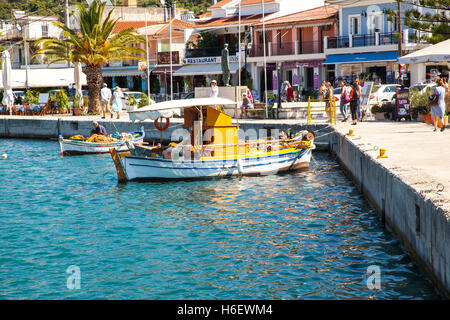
column 106, row 95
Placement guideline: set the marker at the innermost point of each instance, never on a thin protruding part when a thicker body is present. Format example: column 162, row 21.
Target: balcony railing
column 209, row 52
column 388, row 38
column 368, row 40
column 364, row 40
column 338, row 42
column 287, row 48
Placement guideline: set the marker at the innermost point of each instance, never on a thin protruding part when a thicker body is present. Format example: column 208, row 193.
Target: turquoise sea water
column 306, row 235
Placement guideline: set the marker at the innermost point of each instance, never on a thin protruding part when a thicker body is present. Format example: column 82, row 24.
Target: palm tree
column 94, row 46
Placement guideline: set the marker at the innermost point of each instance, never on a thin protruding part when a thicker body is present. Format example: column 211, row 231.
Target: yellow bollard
column 382, row 153
column 351, row 133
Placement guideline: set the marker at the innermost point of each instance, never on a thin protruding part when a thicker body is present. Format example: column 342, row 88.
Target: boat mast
column 148, row 59
column 265, row 59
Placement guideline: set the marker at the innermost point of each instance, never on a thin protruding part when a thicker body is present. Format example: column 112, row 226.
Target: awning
column 439, row 52
column 165, row 69
column 43, row 78
column 167, row 109
column 362, row 57
column 122, row 71
column 205, row 69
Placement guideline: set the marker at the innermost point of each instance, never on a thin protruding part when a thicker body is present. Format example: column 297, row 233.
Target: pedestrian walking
column 106, row 95
column 345, row 99
column 117, row 103
column 328, row 98
column 358, row 84
column 354, row 102
column 437, row 104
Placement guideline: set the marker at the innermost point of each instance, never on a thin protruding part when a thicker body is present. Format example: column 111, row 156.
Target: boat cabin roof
column 186, row 103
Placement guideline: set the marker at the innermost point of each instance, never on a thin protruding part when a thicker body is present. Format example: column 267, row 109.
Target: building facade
column 294, row 49
column 368, row 44
column 224, row 21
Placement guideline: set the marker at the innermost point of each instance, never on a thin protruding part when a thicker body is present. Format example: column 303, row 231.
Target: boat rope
column 328, row 126
column 323, row 135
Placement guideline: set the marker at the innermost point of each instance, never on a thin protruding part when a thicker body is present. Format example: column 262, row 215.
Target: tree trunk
column 94, row 81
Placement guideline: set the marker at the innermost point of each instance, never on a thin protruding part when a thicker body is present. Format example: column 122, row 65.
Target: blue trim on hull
column 297, row 155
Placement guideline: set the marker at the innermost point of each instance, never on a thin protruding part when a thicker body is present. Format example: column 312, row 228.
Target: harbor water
column 304, row 235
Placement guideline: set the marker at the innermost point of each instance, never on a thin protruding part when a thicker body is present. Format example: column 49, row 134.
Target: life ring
column 162, row 128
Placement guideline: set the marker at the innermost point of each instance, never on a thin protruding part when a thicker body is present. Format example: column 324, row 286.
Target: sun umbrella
column 77, row 78
column 8, row 97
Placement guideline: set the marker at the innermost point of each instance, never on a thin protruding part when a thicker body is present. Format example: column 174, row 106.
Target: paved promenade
column 416, row 154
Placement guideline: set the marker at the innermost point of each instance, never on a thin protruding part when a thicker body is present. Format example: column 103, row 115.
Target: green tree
column 94, row 46
column 437, row 23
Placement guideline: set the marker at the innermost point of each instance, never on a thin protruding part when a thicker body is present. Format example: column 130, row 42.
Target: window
column 375, row 22
column 393, row 26
column 390, row 89
column 165, row 46
column 354, row 24
column 44, row 30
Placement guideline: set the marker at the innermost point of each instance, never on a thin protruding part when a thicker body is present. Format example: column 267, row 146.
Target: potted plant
column 388, row 110
column 131, row 102
column 377, row 111
column 52, row 101
column 418, row 113
column 62, row 101
column 419, row 106
column 77, row 105
column 144, row 101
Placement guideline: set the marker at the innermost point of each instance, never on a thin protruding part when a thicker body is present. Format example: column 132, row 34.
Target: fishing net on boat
column 101, row 139
column 77, row 137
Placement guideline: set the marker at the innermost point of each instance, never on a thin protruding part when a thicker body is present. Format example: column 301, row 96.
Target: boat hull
column 74, row 147
column 150, row 169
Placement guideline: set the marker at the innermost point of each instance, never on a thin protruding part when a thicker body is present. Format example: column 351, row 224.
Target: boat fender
column 162, row 128
column 130, row 145
column 240, row 166
column 310, row 136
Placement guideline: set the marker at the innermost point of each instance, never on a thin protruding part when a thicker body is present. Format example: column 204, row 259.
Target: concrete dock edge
column 421, row 226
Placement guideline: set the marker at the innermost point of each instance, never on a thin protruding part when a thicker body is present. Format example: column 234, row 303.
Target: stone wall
column 421, row 226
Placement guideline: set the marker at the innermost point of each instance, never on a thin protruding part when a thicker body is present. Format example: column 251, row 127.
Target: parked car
column 383, row 93
column 337, row 93
column 18, row 94
column 189, row 95
column 422, row 87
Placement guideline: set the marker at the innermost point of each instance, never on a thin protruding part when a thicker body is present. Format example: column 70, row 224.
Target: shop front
column 125, row 77
column 302, row 75
column 201, row 71
column 380, row 67
column 163, row 75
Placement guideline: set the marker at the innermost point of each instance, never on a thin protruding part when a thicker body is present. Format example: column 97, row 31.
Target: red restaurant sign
column 164, row 57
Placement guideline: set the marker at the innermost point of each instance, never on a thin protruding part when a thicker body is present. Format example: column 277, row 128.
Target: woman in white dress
column 117, row 103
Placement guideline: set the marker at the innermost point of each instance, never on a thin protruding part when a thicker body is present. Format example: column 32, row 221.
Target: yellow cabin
column 216, row 133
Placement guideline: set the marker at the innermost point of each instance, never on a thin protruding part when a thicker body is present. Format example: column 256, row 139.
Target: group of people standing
column 106, row 95
column 350, row 96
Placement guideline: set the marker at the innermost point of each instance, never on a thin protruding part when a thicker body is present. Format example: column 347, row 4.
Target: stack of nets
column 101, row 139
column 77, row 137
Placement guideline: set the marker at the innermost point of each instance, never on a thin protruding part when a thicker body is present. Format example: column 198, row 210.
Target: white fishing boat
column 79, row 146
column 215, row 151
